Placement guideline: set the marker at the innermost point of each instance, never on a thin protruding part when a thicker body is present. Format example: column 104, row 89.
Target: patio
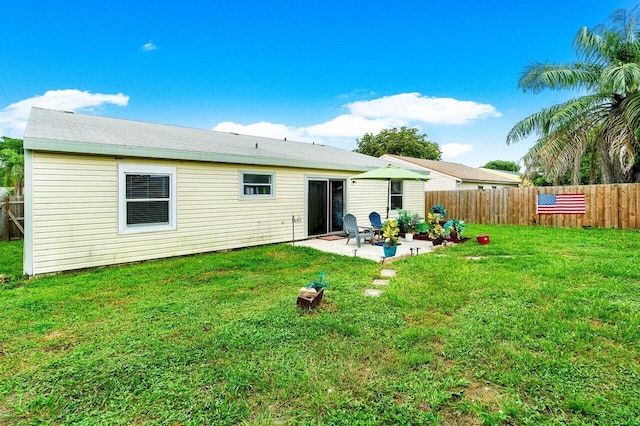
column 337, row 244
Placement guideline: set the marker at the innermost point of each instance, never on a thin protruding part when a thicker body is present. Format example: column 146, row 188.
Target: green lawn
column 542, row 326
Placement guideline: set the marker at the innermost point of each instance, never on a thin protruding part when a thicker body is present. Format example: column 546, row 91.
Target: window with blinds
column 146, row 198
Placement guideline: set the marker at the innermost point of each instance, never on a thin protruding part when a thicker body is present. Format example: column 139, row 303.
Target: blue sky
column 326, row 71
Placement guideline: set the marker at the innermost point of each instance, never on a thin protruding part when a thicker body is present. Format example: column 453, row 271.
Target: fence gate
column 12, row 218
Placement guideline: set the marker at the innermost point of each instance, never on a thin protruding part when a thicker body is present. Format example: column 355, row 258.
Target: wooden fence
column 607, row 206
column 11, row 218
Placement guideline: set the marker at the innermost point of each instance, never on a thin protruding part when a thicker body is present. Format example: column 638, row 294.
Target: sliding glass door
column 325, row 206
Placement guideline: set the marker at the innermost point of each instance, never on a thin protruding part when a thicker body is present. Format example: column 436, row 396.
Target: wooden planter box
column 310, row 302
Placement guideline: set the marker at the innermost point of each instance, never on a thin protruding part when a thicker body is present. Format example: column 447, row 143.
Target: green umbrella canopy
column 390, row 173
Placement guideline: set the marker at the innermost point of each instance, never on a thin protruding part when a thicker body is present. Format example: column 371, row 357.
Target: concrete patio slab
column 366, row 251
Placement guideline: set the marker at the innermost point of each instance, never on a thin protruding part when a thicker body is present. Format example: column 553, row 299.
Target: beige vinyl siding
column 440, row 182
column 75, row 210
column 414, row 197
column 371, row 195
column 366, row 196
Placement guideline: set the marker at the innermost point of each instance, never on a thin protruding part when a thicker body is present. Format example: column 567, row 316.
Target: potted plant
column 404, row 219
column 414, row 225
column 390, row 231
column 439, row 210
column 454, row 228
column 436, row 231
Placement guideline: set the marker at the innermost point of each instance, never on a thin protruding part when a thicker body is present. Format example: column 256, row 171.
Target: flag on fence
column 561, row 204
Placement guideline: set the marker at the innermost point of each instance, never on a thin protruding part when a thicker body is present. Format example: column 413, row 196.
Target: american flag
column 561, row 204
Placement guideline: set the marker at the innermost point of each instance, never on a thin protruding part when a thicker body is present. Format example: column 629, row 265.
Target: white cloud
column 13, row 118
column 148, row 46
column 453, row 150
column 372, row 116
column 412, row 107
column 349, row 125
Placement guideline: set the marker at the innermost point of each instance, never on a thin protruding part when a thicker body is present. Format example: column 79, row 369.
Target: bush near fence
column 607, row 206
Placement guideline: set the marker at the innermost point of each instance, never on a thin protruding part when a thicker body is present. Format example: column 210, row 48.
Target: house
column 102, row 191
column 447, row 176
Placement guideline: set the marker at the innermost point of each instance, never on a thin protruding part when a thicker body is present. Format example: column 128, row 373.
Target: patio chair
column 376, row 224
column 355, row 231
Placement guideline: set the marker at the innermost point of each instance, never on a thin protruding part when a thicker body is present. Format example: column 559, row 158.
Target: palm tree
column 12, row 164
column 603, row 125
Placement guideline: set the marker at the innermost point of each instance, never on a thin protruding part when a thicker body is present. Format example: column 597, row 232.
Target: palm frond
column 621, row 141
column 556, row 117
column 589, row 45
column 626, row 23
column 539, row 76
column 630, row 107
column 620, row 78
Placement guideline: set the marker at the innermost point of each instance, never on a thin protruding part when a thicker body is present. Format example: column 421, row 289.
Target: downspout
column 27, row 261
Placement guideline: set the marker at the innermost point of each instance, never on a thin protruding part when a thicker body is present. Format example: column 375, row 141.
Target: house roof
column 455, row 170
column 516, row 177
column 58, row 131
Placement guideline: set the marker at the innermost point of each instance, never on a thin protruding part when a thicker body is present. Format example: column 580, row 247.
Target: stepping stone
column 380, row 282
column 387, row 273
column 372, row 293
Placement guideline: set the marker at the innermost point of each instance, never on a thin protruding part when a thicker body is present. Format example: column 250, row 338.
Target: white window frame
column 400, row 194
column 272, row 184
column 123, row 171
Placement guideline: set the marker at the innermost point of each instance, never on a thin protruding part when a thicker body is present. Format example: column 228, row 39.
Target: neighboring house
column 445, row 176
column 102, row 191
column 514, row 176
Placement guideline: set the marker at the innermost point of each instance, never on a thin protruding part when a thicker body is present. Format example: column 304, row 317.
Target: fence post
column 5, row 216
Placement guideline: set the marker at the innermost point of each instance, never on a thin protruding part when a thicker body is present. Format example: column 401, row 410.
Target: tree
column 600, row 128
column 12, row 164
column 510, row 166
column 406, row 142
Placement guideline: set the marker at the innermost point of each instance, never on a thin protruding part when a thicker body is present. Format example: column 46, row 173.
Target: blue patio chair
column 355, row 231
column 376, row 224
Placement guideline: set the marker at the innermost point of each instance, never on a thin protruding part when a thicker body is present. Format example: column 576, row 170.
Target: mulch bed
column 450, row 240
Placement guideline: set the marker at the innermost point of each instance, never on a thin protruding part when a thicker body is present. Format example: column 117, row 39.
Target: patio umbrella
column 390, row 173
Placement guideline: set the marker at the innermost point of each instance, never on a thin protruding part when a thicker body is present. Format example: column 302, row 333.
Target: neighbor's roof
column 58, row 131
column 456, row 170
column 514, row 176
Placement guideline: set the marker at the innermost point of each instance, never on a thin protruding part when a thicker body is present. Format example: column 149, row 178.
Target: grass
column 541, row 326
